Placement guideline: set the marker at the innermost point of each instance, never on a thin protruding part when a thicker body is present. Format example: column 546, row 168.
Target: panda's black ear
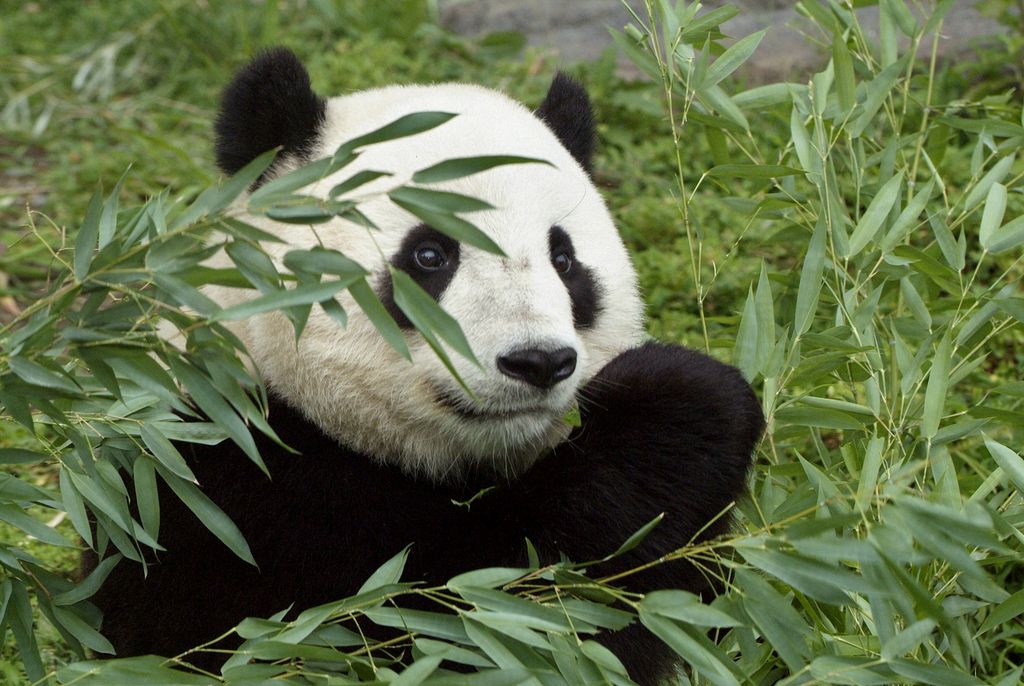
column 567, row 111
column 268, row 104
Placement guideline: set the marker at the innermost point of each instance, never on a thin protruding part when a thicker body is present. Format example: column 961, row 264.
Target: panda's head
column 542, row 320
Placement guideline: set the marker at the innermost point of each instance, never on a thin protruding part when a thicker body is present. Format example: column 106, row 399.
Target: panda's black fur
column 268, row 104
column 664, row 430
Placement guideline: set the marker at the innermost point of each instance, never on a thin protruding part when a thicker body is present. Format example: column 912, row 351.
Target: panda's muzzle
column 541, row 369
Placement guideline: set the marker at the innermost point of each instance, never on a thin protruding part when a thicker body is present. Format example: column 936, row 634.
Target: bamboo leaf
column 730, row 60
column 87, row 587
column 753, row 171
column 458, row 167
column 992, row 216
column 1010, row 461
column 938, row 382
column 842, row 61
column 212, row 517
column 372, row 307
column 871, row 221
column 427, row 316
column 88, row 235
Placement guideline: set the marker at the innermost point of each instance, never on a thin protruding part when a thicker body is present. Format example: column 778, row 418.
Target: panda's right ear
column 268, row 104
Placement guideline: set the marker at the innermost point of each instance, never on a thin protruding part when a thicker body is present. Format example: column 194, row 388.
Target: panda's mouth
column 462, row 408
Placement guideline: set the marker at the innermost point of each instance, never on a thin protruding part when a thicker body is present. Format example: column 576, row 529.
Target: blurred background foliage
column 769, row 225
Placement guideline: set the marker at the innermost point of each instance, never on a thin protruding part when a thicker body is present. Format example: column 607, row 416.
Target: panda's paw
column 673, row 395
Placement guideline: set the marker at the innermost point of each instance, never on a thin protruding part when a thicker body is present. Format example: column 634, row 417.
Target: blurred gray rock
column 577, row 30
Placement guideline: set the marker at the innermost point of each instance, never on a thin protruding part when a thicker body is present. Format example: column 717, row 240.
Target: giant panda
column 389, row 452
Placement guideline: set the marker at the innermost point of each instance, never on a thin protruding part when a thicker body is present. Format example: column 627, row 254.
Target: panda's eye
column 562, row 262
column 430, row 256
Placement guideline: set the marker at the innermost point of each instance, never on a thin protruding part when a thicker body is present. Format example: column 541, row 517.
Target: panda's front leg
column 665, row 430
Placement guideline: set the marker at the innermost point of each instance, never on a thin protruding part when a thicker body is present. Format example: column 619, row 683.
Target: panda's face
column 541, row 320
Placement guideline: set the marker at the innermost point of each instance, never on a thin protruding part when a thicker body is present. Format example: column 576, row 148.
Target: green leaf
column 821, row 417
column 88, row 586
column 869, row 471
column 697, row 29
column 486, row 578
column 427, row 316
column 938, row 382
column 108, row 218
column 459, row 167
column 164, row 451
column 147, row 497
column 451, row 225
column 874, row 215
column 355, row 181
column 992, row 216
column 212, row 517
column 184, row 294
column 637, row 537
column 313, row 212
column 909, row 639
column 694, row 648
column 811, row 274
column 1010, row 461
column 770, row 95
column 148, row 670
column 842, row 62
column 21, row 456
column 88, row 234
column 74, row 506
column 88, row 636
column 995, row 175
column 216, row 198
column 686, row 607
column 774, row 617
column 753, row 171
column 715, row 98
column 905, row 222
column 877, row 91
column 408, row 125
column 371, row 305
column 303, row 294
column 730, row 60
column 901, row 14
column 418, row 671
column 280, row 188
column 438, row 201
column 323, row 261
column 241, row 180
column 933, row 674
column 745, row 351
column 1003, row 613
column 1009, row 237
column 828, row 583
column 915, row 302
column 216, row 408
column 388, row 573
column 46, row 376
column 20, row 620
column 17, row 518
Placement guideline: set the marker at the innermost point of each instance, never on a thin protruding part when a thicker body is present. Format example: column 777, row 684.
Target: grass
column 88, row 92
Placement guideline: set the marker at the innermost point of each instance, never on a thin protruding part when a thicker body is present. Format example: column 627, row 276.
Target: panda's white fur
column 352, row 384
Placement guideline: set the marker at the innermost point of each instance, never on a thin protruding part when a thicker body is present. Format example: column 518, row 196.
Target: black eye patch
column 584, row 290
column 442, row 253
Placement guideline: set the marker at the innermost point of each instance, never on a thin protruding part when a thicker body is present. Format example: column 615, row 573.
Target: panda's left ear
column 268, row 104
column 568, row 113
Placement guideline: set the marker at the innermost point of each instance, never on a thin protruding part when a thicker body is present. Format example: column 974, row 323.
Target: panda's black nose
column 540, row 368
